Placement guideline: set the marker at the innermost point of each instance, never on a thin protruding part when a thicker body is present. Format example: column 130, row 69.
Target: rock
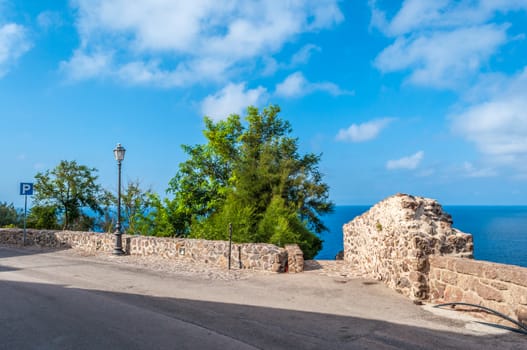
column 395, row 238
column 340, row 255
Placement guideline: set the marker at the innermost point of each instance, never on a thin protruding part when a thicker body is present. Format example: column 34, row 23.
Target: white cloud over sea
column 410, row 162
column 496, row 123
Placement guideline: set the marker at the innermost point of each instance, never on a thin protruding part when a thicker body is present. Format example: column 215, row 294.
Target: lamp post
column 118, row 152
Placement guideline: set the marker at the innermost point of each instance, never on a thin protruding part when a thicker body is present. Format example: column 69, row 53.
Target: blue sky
column 423, row 97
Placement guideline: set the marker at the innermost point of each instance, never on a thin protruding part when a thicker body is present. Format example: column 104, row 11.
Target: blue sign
column 26, row 188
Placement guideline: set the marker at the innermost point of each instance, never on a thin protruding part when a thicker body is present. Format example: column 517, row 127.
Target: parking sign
column 26, row 188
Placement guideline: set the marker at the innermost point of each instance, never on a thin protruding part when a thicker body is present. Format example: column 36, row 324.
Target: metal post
column 118, row 250
column 230, row 244
column 25, row 219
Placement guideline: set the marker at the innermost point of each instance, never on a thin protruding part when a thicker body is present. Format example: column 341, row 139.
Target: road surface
column 60, row 300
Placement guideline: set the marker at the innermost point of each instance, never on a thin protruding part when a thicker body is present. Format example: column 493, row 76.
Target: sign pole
column 25, row 218
column 230, row 244
column 26, row 189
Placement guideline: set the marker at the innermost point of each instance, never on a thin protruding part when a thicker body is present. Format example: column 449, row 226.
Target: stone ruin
column 394, row 239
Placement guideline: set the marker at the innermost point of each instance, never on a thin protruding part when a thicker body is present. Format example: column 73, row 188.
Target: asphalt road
column 56, row 300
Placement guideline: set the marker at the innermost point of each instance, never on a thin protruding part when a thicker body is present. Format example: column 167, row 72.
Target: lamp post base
column 118, row 249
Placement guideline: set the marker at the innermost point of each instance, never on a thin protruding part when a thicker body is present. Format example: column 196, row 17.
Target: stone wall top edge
column 140, row 237
column 481, row 268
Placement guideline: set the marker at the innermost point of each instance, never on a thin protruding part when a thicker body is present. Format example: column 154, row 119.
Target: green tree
column 9, row 216
column 156, row 220
column 202, row 182
column 69, row 187
column 43, row 217
column 135, row 206
column 254, row 169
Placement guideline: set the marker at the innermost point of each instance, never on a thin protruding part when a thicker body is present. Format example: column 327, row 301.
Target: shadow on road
column 55, row 316
column 10, row 250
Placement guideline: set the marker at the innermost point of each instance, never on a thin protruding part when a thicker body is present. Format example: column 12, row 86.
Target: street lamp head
column 118, row 152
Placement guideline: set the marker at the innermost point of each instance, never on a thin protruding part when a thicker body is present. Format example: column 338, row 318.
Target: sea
column 499, row 232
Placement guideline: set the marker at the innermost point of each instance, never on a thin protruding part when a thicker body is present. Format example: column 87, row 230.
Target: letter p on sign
column 26, row 188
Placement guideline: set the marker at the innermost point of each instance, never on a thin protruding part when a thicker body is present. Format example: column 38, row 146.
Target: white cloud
column 232, row 99
column 296, row 85
column 304, row 54
column 497, row 124
column 410, row 162
column 83, row 65
column 442, row 43
column 471, row 171
column 363, row 132
column 293, row 86
column 442, row 59
column 271, row 66
column 178, row 42
column 14, row 43
column 416, row 15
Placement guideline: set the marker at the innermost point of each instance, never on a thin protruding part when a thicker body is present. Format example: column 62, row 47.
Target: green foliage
column 135, row 205
column 9, row 216
column 216, row 226
column 254, row 177
column 202, row 182
column 281, row 225
column 43, row 217
column 68, row 188
column 155, row 222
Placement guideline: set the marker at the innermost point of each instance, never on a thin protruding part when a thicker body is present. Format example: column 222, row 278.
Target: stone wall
column 295, row 258
column 497, row 286
column 258, row 256
column 392, row 242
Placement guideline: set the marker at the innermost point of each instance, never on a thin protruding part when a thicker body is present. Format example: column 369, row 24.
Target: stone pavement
column 332, row 268
column 337, row 269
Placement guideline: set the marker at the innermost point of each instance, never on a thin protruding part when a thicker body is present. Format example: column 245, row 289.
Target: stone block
column 491, row 272
column 499, row 285
column 437, row 290
column 488, row 293
column 472, row 298
column 438, row 261
column 403, row 283
column 452, row 294
column 513, row 274
column 521, row 314
column 517, row 294
column 449, row 277
column 416, row 277
column 469, row 267
column 466, row 282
